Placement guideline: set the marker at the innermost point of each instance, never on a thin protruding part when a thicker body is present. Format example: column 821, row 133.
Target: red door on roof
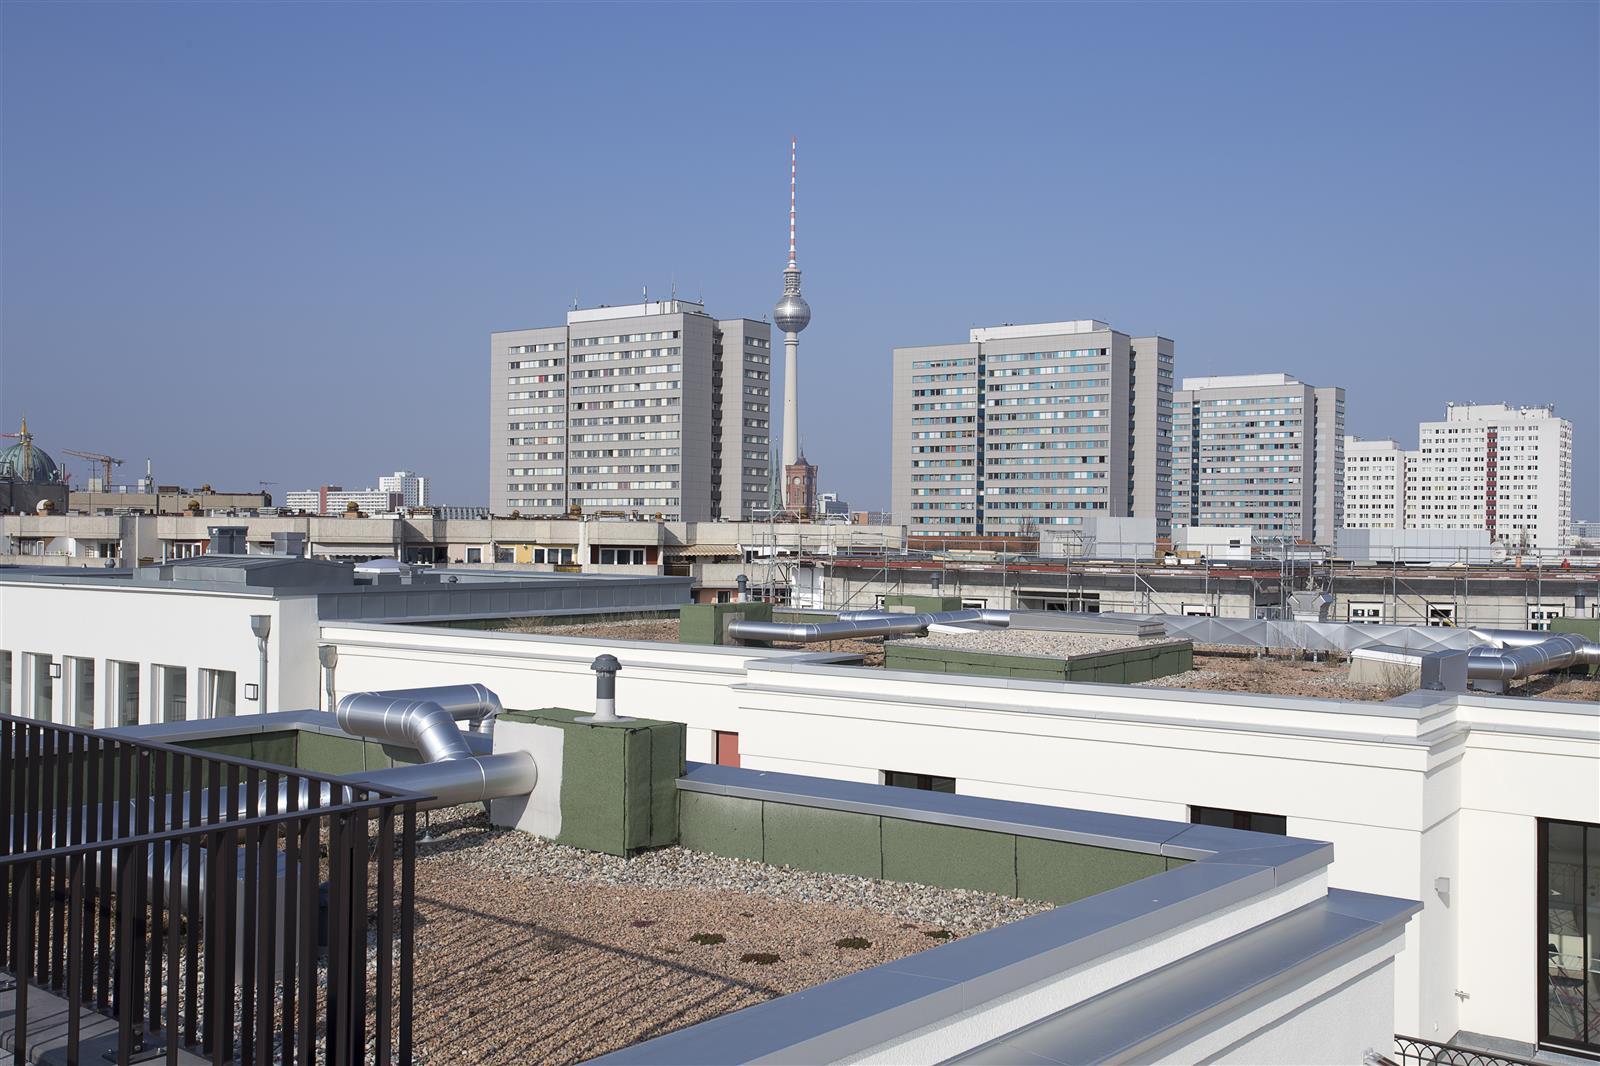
column 727, row 749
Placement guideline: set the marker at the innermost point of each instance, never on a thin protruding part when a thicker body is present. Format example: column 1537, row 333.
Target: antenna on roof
column 793, row 144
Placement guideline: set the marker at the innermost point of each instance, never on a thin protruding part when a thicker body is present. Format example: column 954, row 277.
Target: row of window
column 37, row 685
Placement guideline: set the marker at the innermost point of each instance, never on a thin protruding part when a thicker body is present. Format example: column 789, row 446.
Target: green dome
column 29, row 464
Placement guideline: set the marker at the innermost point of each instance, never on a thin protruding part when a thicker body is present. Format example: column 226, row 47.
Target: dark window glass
column 1569, row 935
column 926, row 782
column 1230, row 819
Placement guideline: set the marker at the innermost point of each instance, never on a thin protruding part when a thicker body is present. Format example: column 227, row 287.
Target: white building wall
column 160, row 627
column 1401, row 792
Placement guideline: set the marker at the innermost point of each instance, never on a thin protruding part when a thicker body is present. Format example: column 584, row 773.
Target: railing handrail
column 1475, row 1054
column 399, row 795
column 176, row 833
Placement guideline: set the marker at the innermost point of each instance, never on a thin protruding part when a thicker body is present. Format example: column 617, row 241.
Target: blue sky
column 267, row 242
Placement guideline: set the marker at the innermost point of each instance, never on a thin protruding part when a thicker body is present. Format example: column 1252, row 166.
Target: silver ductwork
column 1520, row 656
column 861, row 624
column 425, row 719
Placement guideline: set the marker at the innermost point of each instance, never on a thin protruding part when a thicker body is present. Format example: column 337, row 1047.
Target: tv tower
column 792, row 315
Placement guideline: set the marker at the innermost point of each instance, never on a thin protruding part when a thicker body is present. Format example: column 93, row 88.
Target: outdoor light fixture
column 252, row 692
column 328, row 655
column 261, row 626
column 55, row 669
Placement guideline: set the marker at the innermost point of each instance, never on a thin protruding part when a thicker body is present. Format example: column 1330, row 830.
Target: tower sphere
column 792, row 314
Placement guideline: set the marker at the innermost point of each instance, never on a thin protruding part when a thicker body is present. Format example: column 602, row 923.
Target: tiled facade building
column 1030, row 426
column 654, row 409
column 1259, row 450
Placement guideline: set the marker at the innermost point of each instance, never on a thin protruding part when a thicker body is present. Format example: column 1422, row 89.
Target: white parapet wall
column 1431, row 796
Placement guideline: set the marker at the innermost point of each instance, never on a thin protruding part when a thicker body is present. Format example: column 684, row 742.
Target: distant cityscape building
column 1259, row 450
column 828, row 503
column 1586, row 530
column 412, row 487
column 651, row 409
column 1375, row 484
column 1504, row 469
column 335, row 500
column 1027, row 426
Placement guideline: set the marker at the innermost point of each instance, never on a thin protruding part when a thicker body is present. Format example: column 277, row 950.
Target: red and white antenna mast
column 793, row 143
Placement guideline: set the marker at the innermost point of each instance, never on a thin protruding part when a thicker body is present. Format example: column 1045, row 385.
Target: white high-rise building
column 1374, row 484
column 652, row 409
column 1492, row 466
column 1026, row 427
column 412, row 487
column 1259, row 450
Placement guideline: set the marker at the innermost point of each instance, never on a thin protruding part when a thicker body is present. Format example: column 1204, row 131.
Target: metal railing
column 160, row 902
column 1415, row 1051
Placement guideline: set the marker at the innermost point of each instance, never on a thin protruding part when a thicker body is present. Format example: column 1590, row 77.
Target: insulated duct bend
column 860, row 624
column 452, row 773
column 1522, row 658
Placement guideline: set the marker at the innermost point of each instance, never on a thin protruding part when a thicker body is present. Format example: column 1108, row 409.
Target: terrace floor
column 528, row 951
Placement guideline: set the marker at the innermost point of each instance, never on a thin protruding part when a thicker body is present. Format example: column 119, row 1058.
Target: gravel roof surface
column 1037, row 642
column 529, row 951
column 1270, row 676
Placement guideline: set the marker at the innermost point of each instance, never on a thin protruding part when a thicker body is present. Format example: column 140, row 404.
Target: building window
column 43, row 688
column 172, row 693
column 925, row 782
column 5, row 682
column 474, row 555
column 1367, row 613
column 727, row 748
column 1569, row 935
column 1224, row 818
column 217, row 693
column 125, row 693
column 80, row 673
column 1539, row 617
column 622, row 556
column 1441, row 614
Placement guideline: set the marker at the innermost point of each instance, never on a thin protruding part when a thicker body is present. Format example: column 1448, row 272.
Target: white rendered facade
column 1491, row 466
column 1025, row 427
column 412, row 487
column 1430, row 796
column 648, row 409
column 332, row 500
column 1259, row 450
column 1374, row 484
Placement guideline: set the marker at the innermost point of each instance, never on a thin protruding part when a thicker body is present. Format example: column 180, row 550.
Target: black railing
column 1414, row 1051
column 158, row 902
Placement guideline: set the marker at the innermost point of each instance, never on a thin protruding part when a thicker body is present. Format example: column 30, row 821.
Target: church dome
column 28, row 463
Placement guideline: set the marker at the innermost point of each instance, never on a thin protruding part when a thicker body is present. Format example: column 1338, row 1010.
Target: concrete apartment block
column 647, row 409
column 1031, row 426
column 1259, row 450
column 1374, row 484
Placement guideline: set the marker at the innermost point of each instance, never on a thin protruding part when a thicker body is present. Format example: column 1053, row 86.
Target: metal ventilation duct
column 1520, row 656
column 860, row 624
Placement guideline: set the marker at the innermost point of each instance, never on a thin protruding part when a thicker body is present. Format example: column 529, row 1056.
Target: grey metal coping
column 240, row 725
column 851, row 1014
column 1134, row 1020
column 1124, row 832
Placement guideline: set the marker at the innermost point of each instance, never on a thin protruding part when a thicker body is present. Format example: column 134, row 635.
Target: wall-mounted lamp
column 55, row 669
column 252, row 692
column 261, row 626
column 328, row 655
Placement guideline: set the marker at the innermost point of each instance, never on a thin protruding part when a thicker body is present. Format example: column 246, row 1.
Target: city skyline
column 1369, row 242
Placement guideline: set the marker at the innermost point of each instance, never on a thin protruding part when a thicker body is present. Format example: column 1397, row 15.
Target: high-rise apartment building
column 412, row 487
column 1028, row 426
column 652, row 408
column 1374, row 484
column 1259, row 450
column 1491, row 466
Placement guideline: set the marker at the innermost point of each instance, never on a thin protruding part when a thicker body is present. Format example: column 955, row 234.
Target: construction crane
column 106, row 462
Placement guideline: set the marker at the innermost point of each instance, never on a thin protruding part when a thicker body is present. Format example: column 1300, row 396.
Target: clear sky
column 267, row 242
